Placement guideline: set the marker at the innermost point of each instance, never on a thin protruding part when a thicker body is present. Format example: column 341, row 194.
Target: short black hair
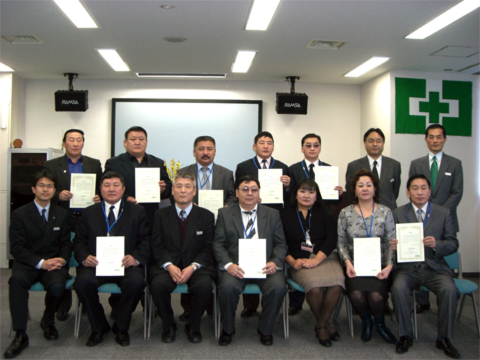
column 135, row 128
column 263, row 134
column 417, row 176
column 246, row 178
column 307, row 184
column 203, row 138
column 375, row 181
column 369, row 131
column 73, row 130
column 111, row 175
column 44, row 173
column 311, row 135
column 436, row 126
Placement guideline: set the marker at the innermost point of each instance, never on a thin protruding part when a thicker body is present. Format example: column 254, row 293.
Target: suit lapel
column 385, row 170
column 64, row 172
column 261, row 215
column 191, row 227
column 174, row 230
column 237, row 220
column 217, row 177
column 52, row 215
column 365, row 164
column 425, row 167
column 441, row 172
column 36, row 218
column 412, row 217
column 127, row 165
column 102, row 220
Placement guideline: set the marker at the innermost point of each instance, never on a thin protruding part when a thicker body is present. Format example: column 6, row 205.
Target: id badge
column 306, row 247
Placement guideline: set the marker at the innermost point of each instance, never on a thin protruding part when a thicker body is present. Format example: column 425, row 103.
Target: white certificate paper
column 367, row 256
column 271, row 188
column 82, row 186
column 211, row 200
column 327, row 178
column 110, row 252
column 146, row 185
column 410, row 242
column 252, row 255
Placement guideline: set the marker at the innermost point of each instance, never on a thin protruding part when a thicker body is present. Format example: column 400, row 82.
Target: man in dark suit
column 386, row 169
column 263, row 145
column 439, row 241
column 249, row 220
column 447, row 189
column 126, row 220
column 182, row 248
column 40, row 244
column 73, row 162
column 136, row 144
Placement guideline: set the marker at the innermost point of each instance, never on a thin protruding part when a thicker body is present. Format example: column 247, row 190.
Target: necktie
column 311, row 173
column 420, row 215
column 182, row 215
column 44, row 217
column 205, row 179
column 250, row 224
column 434, row 172
column 111, row 216
column 264, row 164
column 375, row 171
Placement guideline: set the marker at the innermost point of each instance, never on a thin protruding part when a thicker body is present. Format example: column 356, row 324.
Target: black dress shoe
column 447, row 348
column 169, row 335
column 246, row 313
column 225, row 339
column 421, row 308
column 266, row 340
column 62, row 315
column 19, row 343
column 96, row 338
column 122, row 338
column 293, row 310
column 403, row 344
column 193, row 336
column 184, row 316
column 335, row 336
column 386, row 334
column 49, row 331
column 324, row 342
column 367, row 329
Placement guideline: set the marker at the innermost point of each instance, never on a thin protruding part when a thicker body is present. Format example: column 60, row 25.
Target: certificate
column 82, row 186
column 271, row 188
column 252, row 255
column 368, row 256
column 110, row 252
column 410, row 242
column 146, row 185
column 327, row 178
column 211, row 200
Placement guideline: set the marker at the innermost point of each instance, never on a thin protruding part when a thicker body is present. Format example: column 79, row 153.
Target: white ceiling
column 215, row 31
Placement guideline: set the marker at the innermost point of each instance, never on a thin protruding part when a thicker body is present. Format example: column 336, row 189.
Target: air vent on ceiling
column 324, row 44
column 23, row 39
column 174, row 39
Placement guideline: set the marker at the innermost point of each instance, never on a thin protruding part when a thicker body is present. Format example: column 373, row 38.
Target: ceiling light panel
column 261, row 14
column 113, row 59
column 77, row 13
column 243, row 61
column 182, row 75
column 367, row 66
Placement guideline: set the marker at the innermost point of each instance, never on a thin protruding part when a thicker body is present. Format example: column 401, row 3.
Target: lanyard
column 426, row 218
column 307, row 234
column 304, row 166
column 371, row 223
column 106, row 217
column 208, row 177
column 251, row 227
column 271, row 166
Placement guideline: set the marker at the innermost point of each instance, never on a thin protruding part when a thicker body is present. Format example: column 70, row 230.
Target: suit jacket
column 440, row 226
column 222, row 179
column 31, row 240
column 449, row 186
column 197, row 244
column 132, row 224
column 229, row 228
column 251, row 166
column 389, row 179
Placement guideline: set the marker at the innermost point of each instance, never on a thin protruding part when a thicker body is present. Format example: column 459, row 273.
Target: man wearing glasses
column 249, row 220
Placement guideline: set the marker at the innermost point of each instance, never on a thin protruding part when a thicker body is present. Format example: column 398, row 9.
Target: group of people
column 183, row 244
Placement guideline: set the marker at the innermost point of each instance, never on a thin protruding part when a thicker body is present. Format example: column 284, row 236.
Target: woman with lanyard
column 311, row 236
column 367, row 218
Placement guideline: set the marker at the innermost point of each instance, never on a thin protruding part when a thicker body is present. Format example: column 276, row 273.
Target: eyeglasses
column 246, row 190
column 47, row 186
column 315, row 146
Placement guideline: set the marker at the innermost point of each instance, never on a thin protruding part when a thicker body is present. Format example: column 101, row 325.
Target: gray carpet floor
column 301, row 345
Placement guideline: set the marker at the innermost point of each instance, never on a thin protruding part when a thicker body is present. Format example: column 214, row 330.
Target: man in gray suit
column 386, row 169
column 249, row 220
column 434, row 273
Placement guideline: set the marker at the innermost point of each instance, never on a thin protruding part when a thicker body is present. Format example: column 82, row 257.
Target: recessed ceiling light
column 261, row 14
column 243, row 61
column 113, row 59
column 167, row 7
column 444, row 19
column 182, row 75
column 77, row 13
column 5, row 68
column 175, row 39
column 367, row 66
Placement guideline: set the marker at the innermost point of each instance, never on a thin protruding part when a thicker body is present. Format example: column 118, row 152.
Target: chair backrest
column 73, row 262
column 454, row 263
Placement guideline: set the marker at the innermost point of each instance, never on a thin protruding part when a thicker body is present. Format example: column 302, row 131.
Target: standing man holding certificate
column 235, row 224
column 63, row 168
column 126, row 222
column 439, row 241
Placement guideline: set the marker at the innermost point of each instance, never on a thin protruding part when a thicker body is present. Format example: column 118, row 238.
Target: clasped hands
column 127, row 261
column 305, row 263
column 53, row 264
column 180, row 276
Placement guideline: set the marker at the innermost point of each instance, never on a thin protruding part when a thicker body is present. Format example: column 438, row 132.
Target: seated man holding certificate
column 365, row 230
column 249, row 247
column 439, row 240
column 111, row 244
